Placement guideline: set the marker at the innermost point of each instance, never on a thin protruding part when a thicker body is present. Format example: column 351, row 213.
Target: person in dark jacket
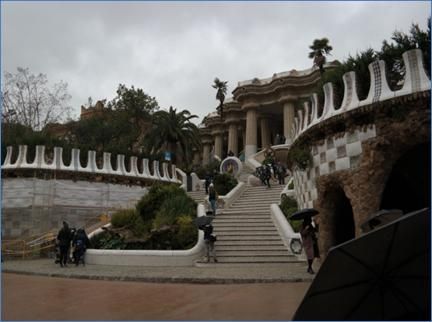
column 213, row 197
column 310, row 242
column 209, row 240
column 80, row 244
column 64, row 239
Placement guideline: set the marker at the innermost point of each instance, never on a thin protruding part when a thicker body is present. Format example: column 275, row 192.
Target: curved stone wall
column 415, row 81
column 354, row 146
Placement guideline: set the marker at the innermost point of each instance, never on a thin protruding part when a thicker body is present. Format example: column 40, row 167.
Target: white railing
column 415, row 81
column 40, row 161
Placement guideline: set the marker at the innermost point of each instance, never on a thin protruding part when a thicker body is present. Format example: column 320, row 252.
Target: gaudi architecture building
column 260, row 111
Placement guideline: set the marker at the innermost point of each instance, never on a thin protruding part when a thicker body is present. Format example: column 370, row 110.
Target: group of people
column 271, row 168
column 68, row 237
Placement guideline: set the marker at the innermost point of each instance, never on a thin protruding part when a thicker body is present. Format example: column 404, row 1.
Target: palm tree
column 172, row 131
column 221, row 87
column 320, row 47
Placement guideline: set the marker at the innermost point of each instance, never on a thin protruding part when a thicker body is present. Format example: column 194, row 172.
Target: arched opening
column 408, row 186
column 344, row 228
column 340, row 219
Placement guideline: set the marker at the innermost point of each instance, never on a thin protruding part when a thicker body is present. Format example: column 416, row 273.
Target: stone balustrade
column 415, row 81
column 57, row 164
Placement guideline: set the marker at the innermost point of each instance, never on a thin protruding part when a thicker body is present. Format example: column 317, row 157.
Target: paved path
column 41, row 290
column 215, row 274
column 29, row 297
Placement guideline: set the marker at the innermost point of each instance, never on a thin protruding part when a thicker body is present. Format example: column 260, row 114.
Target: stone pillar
column 265, row 133
column 233, row 139
column 196, row 158
column 251, row 133
column 218, row 145
column 288, row 118
column 206, row 153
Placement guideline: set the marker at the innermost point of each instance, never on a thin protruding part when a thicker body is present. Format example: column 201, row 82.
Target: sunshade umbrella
column 304, row 213
column 203, row 220
column 380, row 218
column 382, row 275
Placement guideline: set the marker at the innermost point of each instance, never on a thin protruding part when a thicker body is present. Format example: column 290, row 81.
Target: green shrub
column 141, row 228
column 187, row 234
column 291, row 185
column 299, row 156
column 210, row 169
column 107, row 240
column 288, row 207
column 224, row 183
column 123, row 218
column 178, row 205
column 148, row 206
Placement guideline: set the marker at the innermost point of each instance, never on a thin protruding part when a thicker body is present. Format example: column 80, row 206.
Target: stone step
column 266, row 193
column 255, row 200
column 245, row 265
column 249, row 232
column 247, row 238
column 242, row 216
column 254, row 229
column 250, row 207
column 243, row 223
column 251, row 253
column 259, row 247
column 250, row 243
column 248, row 212
column 252, row 259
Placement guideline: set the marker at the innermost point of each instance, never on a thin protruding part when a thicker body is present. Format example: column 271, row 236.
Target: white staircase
column 246, row 234
column 245, row 231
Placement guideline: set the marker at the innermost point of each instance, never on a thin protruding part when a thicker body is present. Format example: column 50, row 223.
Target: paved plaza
column 41, row 290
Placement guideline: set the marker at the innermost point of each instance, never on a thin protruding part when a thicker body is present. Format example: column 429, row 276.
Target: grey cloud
column 173, row 50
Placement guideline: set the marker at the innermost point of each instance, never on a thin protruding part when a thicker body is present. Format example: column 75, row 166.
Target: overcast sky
column 174, row 50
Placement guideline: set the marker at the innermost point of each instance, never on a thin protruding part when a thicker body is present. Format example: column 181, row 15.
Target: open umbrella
column 203, row 220
column 380, row 218
column 304, row 213
column 382, row 275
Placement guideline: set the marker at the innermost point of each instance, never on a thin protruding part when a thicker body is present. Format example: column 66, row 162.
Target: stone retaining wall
column 32, row 206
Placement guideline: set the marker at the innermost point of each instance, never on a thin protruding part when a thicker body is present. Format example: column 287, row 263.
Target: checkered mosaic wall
column 335, row 154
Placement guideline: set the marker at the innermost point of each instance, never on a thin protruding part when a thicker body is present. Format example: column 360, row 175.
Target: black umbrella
column 380, row 218
column 203, row 220
column 304, row 213
column 382, row 275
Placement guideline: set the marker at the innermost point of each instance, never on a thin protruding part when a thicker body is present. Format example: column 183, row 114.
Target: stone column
column 288, row 118
column 196, row 158
column 218, row 145
column 233, row 139
column 251, row 133
column 206, row 153
column 265, row 133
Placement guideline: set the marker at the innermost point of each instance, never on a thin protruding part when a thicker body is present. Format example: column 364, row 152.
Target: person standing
column 209, row 240
column 80, row 242
column 281, row 172
column 64, row 237
column 207, row 181
column 308, row 236
column 213, row 196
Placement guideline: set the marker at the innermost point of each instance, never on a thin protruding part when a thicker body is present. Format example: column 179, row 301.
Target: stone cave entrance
column 408, row 186
column 340, row 210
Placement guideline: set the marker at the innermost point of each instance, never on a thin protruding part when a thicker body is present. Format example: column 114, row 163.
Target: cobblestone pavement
column 214, row 274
